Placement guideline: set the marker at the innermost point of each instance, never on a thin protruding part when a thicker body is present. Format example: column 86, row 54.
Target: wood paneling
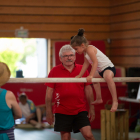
column 126, row 8
column 125, row 51
column 125, row 43
column 131, row 25
column 125, row 17
column 54, row 19
column 56, row 27
column 119, row 61
column 58, row 35
column 122, row 2
column 125, row 33
column 54, row 11
column 54, row 3
column 59, row 20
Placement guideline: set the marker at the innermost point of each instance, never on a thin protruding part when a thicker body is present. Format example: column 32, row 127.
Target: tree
column 10, row 58
column 16, row 50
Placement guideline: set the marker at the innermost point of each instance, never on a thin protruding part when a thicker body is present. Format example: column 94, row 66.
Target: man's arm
column 48, row 99
column 90, row 99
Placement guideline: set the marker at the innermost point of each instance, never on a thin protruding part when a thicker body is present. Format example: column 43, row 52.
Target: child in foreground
column 101, row 67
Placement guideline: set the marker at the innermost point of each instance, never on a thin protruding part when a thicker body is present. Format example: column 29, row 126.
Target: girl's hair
column 66, row 48
column 78, row 39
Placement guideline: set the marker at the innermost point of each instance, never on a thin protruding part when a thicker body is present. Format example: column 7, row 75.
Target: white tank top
column 103, row 60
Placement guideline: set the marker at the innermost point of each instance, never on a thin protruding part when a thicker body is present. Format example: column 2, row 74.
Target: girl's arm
column 84, row 68
column 91, row 51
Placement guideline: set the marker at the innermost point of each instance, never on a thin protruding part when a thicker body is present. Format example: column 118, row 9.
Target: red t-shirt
column 69, row 97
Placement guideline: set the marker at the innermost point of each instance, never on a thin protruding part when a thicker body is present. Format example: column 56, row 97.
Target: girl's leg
column 97, row 90
column 108, row 76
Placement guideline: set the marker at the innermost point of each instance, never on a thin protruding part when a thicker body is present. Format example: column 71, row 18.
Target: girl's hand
column 78, row 76
column 89, row 78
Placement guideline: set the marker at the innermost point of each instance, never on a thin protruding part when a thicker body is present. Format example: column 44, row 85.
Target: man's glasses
column 67, row 56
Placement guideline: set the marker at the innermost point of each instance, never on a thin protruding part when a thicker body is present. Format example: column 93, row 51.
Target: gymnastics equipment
column 70, row 80
column 114, row 125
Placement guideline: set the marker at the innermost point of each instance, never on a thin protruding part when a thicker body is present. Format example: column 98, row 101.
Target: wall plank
column 54, row 19
column 58, row 35
column 126, row 60
column 125, row 43
column 122, row 2
column 125, row 34
column 57, row 27
column 125, row 17
column 61, row 3
column 125, row 26
column 125, row 51
column 125, row 8
column 54, row 11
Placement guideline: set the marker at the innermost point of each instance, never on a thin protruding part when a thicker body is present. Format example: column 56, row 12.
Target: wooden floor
column 48, row 134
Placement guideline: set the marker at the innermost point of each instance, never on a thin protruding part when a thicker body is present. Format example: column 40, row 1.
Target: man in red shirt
column 70, row 106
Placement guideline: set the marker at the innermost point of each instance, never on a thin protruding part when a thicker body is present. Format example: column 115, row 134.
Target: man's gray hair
column 66, row 48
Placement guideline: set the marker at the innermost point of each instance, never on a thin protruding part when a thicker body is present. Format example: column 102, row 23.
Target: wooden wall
column 118, row 20
column 57, row 20
column 125, row 33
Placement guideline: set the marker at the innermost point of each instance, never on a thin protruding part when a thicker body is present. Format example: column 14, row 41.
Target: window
column 28, row 55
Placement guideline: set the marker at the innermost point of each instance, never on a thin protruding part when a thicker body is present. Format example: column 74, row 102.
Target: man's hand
column 91, row 113
column 50, row 118
column 89, row 78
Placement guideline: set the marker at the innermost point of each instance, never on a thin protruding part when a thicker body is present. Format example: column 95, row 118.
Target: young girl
column 101, row 67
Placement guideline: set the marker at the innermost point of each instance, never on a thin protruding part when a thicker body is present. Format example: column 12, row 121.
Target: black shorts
column 69, row 123
column 108, row 68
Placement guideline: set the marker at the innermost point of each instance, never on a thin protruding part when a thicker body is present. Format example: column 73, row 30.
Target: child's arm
column 84, row 68
column 91, row 52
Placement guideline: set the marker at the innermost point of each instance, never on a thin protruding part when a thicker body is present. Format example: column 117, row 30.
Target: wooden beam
column 70, row 80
